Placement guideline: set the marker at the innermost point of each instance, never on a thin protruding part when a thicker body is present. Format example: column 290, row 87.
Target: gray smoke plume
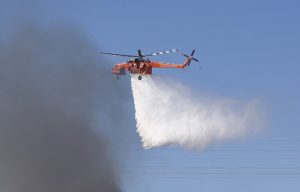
column 52, row 91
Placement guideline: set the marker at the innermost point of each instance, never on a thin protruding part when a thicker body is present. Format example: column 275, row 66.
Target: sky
column 247, row 49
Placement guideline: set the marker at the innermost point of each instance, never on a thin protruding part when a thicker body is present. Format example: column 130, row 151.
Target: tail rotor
column 190, row 58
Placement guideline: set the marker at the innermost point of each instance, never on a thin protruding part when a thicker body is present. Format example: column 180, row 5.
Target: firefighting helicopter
column 140, row 65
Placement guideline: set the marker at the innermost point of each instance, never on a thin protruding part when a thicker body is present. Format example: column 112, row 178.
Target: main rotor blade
column 116, row 54
column 162, row 52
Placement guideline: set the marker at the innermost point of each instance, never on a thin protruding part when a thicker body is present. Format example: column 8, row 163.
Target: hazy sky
column 248, row 49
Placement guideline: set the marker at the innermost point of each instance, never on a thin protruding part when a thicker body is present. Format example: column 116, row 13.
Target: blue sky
column 248, row 49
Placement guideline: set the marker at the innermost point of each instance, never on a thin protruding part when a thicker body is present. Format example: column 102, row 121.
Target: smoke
column 52, row 91
column 169, row 114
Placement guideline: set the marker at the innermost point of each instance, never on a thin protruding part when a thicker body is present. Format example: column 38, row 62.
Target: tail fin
column 189, row 59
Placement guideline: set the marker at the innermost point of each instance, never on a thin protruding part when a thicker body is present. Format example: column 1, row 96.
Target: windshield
column 130, row 60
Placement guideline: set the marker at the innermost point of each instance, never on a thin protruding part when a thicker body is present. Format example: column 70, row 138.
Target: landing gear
column 139, row 77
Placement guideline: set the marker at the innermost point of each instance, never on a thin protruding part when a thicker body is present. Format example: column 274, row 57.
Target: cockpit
column 135, row 60
column 131, row 60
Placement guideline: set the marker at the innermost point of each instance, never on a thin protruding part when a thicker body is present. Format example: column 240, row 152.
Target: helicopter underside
column 141, row 71
column 133, row 70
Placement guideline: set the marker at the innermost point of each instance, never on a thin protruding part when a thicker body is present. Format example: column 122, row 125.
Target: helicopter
column 140, row 65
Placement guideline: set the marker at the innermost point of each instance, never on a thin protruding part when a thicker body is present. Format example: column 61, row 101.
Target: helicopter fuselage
column 133, row 67
column 139, row 64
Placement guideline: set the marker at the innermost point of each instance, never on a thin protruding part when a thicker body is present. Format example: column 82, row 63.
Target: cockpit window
column 130, row 60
